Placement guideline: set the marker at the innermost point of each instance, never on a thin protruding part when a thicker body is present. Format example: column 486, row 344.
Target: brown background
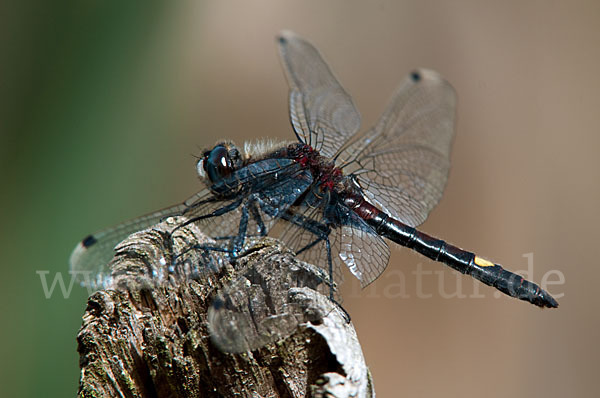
column 524, row 176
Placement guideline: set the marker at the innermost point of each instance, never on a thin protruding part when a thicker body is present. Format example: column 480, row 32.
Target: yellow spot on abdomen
column 482, row 262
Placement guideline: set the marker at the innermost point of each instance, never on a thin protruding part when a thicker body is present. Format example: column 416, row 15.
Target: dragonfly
column 334, row 196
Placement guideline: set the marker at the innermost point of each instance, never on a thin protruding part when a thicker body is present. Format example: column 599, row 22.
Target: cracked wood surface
column 147, row 334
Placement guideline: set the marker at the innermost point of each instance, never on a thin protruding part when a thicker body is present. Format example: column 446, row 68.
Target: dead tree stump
column 147, row 334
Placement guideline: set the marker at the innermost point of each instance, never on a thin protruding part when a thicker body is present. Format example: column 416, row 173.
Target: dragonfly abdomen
column 461, row 260
column 465, row 262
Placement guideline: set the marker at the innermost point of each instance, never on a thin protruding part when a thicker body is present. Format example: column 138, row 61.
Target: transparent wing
column 299, row 232
column 90, row 258
column 261, row 198
column 402, row 163
column 322, row 113
column 352, row 242
column 364, row 252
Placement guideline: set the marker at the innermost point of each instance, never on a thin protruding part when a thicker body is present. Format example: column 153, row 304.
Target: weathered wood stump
column 147, row 334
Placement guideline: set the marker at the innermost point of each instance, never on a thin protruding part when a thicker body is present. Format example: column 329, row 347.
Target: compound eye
column 217, row 164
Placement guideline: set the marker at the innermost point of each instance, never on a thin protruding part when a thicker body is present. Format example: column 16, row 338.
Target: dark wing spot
column 415, row 76
column 88, row 241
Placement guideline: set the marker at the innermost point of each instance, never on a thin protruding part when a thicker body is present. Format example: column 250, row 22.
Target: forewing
column 218, row 217
column 322, row 113
column 89, row 260
column 402, row 163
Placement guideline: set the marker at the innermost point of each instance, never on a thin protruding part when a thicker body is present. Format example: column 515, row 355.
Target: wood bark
column 147, row 334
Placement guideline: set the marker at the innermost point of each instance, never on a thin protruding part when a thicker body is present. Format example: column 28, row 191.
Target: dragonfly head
column 219, row 162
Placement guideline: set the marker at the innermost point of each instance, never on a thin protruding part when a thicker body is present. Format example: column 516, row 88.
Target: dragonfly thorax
column 322, row 168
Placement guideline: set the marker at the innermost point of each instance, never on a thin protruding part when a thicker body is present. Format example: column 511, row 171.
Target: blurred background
column 104, row 104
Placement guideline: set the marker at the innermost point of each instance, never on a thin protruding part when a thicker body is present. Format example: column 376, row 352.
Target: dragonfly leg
column 216, row 213
column 201, row 247
column 206, row 260
column 248, row 209
column 238, row 242
column 342, row 310
column 260, row 225
column 330, row 266
column 321, row 232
